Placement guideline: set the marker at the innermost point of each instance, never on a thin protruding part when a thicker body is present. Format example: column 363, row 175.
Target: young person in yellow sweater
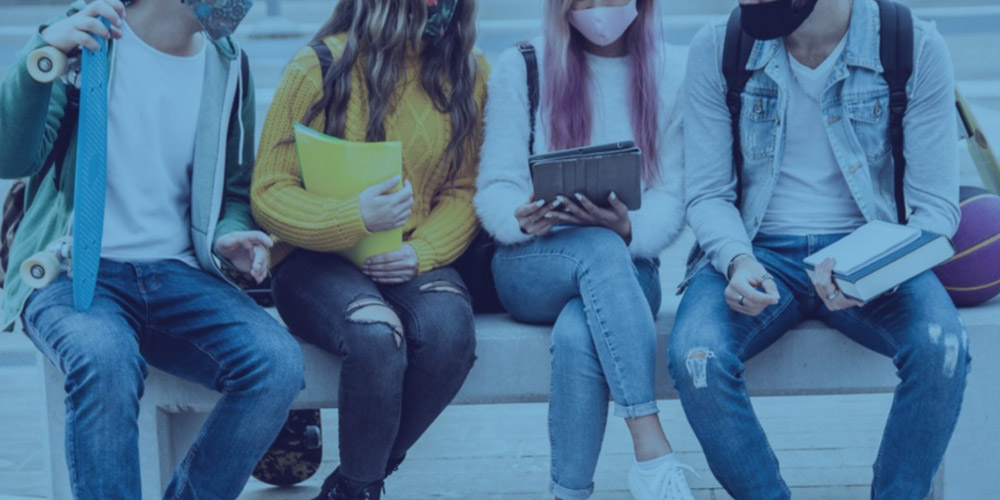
column 399, row 70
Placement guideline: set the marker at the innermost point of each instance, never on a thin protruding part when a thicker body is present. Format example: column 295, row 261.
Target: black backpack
column 896, row 52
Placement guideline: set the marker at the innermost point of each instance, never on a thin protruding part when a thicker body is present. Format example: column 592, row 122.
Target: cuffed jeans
column 182, row 320
column 917, row 326
column 602, row 304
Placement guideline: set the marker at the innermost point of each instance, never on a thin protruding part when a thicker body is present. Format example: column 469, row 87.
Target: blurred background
column 834, row 437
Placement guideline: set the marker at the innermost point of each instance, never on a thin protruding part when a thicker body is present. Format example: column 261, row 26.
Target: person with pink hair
column 605, row 76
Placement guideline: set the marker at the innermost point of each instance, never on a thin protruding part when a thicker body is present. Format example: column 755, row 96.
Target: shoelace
column 676, row 484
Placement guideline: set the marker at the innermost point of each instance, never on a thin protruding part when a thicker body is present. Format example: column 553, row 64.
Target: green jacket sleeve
column 31, row 112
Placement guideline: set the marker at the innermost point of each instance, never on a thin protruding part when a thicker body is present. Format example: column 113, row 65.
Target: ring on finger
column 741, row 299
column 767, row 277
column 833, row 295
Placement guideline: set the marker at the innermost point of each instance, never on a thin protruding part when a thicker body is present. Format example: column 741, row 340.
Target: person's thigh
column 917, row 319
column 707, row 329
column 436, row 312
column 323, row 297
column 104, row 338
column 207, row 331
column 536, row 280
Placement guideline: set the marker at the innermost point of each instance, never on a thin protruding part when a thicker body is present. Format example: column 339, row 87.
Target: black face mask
column 770, row 20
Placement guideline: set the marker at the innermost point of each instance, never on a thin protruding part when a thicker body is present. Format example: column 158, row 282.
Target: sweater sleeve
column 279, row 202
column 660, row 220
column 451, row 225
column 504, row 182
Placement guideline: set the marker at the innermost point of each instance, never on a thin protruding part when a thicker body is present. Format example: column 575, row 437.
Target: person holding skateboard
column 380, row 70
column 176, row 97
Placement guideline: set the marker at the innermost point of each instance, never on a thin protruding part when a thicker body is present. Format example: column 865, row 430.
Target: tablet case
column 593, row 171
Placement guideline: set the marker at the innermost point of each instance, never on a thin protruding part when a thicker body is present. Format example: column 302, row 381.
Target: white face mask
column 604, row 25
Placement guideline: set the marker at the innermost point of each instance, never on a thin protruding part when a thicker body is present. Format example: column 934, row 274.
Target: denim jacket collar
column 862, row 41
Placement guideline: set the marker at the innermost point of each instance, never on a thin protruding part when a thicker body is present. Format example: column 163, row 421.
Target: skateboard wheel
column 47, row 64
column 40, row 270
column 313, row 437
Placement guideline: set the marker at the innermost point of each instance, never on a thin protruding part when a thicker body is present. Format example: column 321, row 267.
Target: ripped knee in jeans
column 697, row 366
column 373, row 311
column 443, row 286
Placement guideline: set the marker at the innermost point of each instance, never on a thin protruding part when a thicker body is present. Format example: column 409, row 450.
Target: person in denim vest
column 817, row 165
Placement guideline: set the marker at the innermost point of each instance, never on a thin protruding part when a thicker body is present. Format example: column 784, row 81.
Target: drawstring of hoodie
column 239, row 111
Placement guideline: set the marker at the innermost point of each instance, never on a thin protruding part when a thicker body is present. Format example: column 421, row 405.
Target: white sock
column 656, row 462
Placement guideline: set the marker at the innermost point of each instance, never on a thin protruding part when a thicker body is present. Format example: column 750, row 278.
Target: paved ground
column 826, row 444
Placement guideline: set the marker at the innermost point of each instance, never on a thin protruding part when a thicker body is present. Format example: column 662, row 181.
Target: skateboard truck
column 47, row 64
column 41, row 269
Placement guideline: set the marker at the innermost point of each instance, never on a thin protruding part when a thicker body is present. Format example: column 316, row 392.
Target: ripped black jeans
column 392, row 386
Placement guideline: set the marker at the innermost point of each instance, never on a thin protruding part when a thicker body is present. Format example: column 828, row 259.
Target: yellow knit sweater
column 444, row 219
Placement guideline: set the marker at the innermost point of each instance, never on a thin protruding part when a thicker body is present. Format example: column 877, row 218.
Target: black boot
column 336, row 488
column 394, row 465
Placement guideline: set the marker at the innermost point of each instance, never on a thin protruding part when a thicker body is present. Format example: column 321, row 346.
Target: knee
column 284, row 367
column 571, row 337
column 106, row 368
column 447, row 334
column 940, row 355
column 699, row 364
column 376, row 334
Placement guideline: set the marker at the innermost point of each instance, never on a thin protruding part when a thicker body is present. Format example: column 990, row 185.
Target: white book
column 880, row 256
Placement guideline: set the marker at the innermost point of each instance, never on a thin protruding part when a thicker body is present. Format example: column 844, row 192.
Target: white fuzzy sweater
column 504, row 181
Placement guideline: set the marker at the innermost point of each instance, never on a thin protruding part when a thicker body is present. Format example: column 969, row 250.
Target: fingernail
column 557, row 203
column 540, row 203
column 614, row 196
column 579, row 196
column 549, row 215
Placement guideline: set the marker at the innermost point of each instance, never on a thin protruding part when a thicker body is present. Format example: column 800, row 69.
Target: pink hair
column 566, row 98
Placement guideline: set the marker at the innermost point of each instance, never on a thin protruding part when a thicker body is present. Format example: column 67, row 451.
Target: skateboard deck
column 979, row 148
column 297, row 452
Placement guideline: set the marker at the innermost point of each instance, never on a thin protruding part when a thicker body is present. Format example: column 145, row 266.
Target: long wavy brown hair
column 380, row 34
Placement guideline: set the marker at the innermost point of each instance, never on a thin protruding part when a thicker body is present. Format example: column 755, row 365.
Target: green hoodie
column 220, row 181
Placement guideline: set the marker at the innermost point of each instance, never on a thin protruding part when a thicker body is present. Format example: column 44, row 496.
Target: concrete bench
column 513, row 366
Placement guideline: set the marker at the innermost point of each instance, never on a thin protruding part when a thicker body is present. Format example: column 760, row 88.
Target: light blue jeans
column 917, row 326
column 182, row 320
column 602, row 304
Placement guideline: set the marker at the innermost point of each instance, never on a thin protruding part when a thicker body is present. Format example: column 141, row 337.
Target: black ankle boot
column 336, row 488
column 394, row 465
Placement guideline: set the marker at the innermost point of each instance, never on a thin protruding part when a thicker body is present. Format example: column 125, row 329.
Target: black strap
column 896, row 52
column 325, row 57
column 531, row 61
column 66, row 127
column 735, row 56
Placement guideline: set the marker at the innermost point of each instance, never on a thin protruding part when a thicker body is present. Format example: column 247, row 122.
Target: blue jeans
column 917, row 326
column 182, row 320
column 389, row 393
column 604, row 339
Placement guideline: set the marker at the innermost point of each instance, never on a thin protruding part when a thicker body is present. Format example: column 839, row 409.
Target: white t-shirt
column 812, row 196
column 152, row 122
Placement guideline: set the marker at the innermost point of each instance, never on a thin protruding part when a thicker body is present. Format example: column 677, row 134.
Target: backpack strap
column 66, row 128
column 735, row 56
column 531, row 61
column 896, row 52
column 325, row 56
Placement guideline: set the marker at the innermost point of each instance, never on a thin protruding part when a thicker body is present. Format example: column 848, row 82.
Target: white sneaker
column 664, row 482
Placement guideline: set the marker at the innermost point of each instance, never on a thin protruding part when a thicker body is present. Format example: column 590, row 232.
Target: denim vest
column 855, row 110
